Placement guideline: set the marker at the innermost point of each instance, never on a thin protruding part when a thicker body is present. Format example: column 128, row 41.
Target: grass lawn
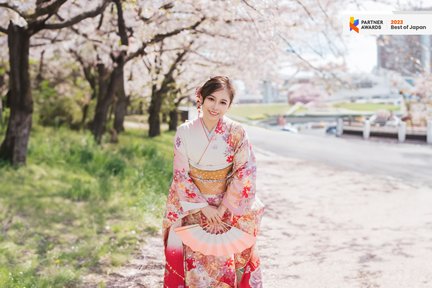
column 258, row 111
column 262, row 111
column 77, row 208
column 367, row 107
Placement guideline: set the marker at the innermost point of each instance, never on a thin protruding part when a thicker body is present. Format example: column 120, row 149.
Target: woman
column 213, row 182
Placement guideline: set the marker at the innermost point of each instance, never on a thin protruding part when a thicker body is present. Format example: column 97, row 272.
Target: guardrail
column 401, row 131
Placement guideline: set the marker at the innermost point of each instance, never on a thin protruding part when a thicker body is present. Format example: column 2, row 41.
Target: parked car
column 289, row 128
column 331, row 129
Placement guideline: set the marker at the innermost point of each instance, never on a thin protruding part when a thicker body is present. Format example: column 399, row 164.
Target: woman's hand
column 221, row 210
column 212, row 214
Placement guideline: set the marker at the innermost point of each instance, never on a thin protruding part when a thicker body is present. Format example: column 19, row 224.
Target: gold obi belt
column 210, row 181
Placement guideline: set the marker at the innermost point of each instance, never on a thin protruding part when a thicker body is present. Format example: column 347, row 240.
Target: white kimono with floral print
column 227, row 145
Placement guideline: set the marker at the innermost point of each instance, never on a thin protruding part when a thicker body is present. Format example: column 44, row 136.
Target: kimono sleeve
column 240, row 193
column 188, row 193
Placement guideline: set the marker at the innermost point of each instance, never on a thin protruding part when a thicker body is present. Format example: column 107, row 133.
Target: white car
column 290, row 128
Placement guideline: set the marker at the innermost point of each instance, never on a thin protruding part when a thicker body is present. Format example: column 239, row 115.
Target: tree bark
column 91, row 77
column 157, row 94
column 108, row 85
column 154, row 112
column 1, row 112
column 1, row 99
column 173, row 122
column 39, row 76
column 14, row 147
column 121, row 106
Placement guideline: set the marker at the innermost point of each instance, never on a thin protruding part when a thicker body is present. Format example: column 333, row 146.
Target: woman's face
column 216, row 105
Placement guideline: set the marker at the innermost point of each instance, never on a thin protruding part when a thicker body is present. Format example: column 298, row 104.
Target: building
column 409, row 55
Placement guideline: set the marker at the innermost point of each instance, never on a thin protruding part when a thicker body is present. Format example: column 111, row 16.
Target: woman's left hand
column 221, row 210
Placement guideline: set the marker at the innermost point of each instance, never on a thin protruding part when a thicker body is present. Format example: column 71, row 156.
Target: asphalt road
column 410, row 162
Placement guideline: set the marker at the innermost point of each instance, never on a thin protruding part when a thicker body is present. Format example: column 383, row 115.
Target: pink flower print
column 190, row 194
column 177, row 176
column 240, row 173
column 230, row 159
column 178, row 142
column 246, row 191
column 212, row 200
column 230, row 141
column 190, row 264
column 235, row 220
column 219, row 128
column 172, row 216
column 229, row 263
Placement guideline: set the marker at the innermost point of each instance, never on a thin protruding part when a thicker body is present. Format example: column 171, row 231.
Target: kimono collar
column 211, row 133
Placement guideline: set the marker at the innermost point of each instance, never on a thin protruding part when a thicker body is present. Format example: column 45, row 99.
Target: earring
column 198, row 101
column 199, row 107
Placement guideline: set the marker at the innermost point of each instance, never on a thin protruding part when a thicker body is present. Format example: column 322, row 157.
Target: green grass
column 258, row 111
column 367, row 107
column 263, row 111
column 78, row 208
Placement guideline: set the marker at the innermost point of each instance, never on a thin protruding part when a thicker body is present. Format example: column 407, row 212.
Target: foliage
column 77, row 207
column 56, row 109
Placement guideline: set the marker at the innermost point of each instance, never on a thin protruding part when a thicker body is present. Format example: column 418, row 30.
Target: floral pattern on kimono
column 183, row 194
column 244, row 208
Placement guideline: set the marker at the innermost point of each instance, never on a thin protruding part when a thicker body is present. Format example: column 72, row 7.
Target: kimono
column 210, row 168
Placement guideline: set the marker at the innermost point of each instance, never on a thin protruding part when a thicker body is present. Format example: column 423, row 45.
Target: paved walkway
column 326, row 227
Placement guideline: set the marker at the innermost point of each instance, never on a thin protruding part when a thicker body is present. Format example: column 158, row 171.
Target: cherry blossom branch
column 49, row 9
column 155, row 15
column 121, row 23
column 207, row 59
column 205, row 32
column 79, row 17
column 159, row 37
column 13, row 8
column 329, row 39
column 293, row 51
column 250, row 6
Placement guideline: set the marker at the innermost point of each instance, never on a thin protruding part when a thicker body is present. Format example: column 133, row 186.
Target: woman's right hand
column 212, row 215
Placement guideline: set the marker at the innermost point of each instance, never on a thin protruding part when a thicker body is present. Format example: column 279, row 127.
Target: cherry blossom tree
column 165, row 86
column 29, row 19
column 138, row 30
column 251, row 41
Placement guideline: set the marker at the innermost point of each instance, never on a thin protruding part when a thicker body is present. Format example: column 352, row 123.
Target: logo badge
column 353, row 24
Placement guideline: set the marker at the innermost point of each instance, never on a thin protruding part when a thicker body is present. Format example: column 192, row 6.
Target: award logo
column 353, row 24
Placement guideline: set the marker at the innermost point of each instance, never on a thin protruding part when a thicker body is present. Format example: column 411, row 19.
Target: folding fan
column 209, row 240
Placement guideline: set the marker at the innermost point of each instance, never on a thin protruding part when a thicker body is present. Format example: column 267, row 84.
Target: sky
column 362, row 55
column 362, row 49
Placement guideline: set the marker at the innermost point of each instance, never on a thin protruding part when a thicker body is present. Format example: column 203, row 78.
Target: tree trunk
column 39, row 76
column 154, row 111
column 173, row 122
column 84, row 115
column 14, row 147
column 1, row 99
column 92, row 80
column 85, row 107
column 1, row 112
column 108, row 85
column 121, row 106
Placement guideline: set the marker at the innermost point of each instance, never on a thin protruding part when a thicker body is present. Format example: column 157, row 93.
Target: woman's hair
column 215, row 84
